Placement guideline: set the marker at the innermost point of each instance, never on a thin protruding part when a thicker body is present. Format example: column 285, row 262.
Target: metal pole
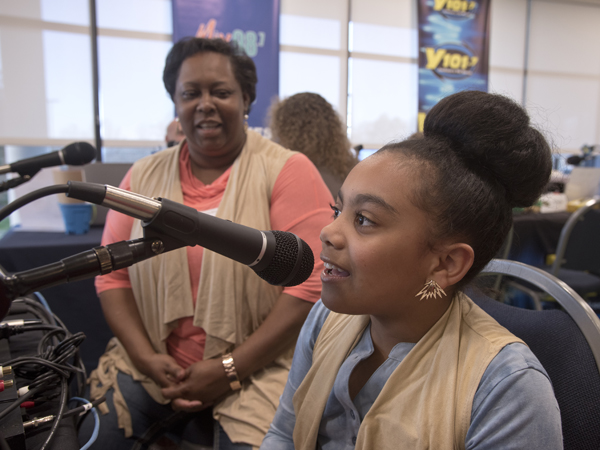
column 346, row 81
column 95, row 88
column 526, row 56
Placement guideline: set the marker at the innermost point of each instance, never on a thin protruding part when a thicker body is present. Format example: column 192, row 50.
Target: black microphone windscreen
column 79, row 153
column 284, row 261
column 574, row 160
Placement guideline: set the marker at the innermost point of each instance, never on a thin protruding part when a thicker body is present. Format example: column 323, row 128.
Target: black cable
column 24, row 308
column 81, row 375
column 71, row 342
column 3, row 444
column 45, row 379
column 17, row 362
column 16, row 403
column 30, row 197
column 39, row 307
column 40, row 327
column 36, row 303
column 52, row 370
column 59, row 415
column 85, row 408
column 51, row 317
column 44, row 340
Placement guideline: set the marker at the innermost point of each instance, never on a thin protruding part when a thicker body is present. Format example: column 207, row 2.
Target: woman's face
column 375, row 251
column 211, row 107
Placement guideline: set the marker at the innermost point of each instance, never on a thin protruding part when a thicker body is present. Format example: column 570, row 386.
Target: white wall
column 359, row 54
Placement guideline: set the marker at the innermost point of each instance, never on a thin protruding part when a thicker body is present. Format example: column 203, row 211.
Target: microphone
column 75, row 154
column 574, row 160
column 280, row 258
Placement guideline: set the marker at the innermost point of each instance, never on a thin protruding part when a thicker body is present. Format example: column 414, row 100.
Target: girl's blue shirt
column 514, row 406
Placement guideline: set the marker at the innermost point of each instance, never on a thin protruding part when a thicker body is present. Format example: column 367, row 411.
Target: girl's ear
column 453, row 264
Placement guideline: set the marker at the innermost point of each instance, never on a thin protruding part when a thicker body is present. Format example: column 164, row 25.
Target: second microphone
column 280, row 258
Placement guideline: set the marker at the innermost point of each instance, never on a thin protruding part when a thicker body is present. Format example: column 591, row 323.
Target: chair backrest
column 579, row 243
column 567, row 343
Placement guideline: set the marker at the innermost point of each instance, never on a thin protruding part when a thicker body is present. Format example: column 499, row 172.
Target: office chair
column 577, row 260
column 567, row 343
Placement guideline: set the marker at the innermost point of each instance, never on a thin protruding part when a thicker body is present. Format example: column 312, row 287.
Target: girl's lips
column 333, row 271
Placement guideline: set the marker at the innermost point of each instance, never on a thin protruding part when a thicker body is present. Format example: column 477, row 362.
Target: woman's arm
column 123, row 318
column 206, row 380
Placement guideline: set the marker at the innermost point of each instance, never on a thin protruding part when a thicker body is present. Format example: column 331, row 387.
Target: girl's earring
column 431, row 289
column 245, row 121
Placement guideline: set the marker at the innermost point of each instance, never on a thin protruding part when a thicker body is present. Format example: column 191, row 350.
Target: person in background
column 395, row 355
column 174, row 133
column 306, row 122
column 195, row 331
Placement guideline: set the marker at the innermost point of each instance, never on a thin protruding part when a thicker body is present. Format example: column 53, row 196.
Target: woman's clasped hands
column 199, row 386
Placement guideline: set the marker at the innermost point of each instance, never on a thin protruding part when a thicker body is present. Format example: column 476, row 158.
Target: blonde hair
column 306, row 122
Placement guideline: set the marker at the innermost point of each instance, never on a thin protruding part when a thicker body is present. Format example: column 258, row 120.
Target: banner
column 453, row 49
column 253, row 24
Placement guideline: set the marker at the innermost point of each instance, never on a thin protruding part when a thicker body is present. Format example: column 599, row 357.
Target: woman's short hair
column 243, row 67
column 306, row 122
column 479, row 158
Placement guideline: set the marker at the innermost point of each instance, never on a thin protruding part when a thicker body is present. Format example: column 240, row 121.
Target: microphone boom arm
column 14, row 182
column 98, row 261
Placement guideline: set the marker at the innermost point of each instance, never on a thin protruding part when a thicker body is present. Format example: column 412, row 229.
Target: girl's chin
column 338, row 305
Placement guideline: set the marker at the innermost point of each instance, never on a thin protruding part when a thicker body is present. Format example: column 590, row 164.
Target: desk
column 76, row 304
column 535, row 236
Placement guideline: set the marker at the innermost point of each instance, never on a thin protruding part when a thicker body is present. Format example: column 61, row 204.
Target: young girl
column 395, row 355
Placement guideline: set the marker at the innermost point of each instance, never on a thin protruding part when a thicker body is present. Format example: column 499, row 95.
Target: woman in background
column 196, row 331
column 396, row 355
column 307, row 123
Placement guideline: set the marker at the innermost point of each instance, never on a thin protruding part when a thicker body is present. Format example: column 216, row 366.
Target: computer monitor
column 584, row 183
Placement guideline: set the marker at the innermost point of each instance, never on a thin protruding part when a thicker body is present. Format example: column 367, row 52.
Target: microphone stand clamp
column 14, row 182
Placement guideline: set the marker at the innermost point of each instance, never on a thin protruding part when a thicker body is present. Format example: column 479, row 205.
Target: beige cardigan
column 426, row 403
column 232, row 300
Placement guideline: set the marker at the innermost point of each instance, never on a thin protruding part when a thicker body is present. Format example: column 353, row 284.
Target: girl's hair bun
column 491, row 134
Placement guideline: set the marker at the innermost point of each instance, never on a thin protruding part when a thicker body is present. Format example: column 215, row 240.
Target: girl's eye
column 362, row 220
column 336, row 211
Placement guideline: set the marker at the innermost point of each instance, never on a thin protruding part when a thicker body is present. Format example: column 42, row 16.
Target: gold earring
column 431, row 289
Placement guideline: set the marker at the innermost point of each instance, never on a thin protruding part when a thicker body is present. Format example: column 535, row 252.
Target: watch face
column 230, row 372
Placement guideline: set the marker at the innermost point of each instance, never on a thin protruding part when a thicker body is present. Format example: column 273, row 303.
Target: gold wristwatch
column 232, row 376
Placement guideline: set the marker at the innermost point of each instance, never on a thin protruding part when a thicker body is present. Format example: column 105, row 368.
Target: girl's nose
column 331, row 235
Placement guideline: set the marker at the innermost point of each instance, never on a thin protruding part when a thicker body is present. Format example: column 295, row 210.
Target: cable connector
column 5, row 384
column 36, row 422
column 7, row 331
column 5, row 370
column 21, row 322
column 9, row 328
column 24, row 390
